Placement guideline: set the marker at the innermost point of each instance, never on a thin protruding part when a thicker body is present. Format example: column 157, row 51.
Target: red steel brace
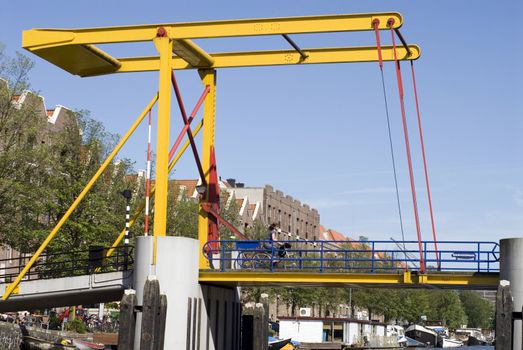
column 191, row 117
column 207, row 207
column 188, row 128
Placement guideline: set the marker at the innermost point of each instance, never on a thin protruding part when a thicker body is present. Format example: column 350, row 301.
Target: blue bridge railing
column 352, row 256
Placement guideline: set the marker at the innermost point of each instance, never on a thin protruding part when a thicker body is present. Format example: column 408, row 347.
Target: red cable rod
column 425, row 167
column 407, row 146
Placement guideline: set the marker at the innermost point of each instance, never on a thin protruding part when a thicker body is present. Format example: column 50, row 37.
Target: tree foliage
column 404, row 306
column 43, row 169
column 479, row 312
column 183, row 213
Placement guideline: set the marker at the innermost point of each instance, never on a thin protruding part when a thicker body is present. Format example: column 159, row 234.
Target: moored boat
column 422, row 335
column 399, row 333
column 451, row 343
column 411, row 343
column 87, row 345
column 33, row 343
column 477, row 340
column 276, row 344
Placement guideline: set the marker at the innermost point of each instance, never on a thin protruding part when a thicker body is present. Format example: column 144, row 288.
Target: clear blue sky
column 318, row 132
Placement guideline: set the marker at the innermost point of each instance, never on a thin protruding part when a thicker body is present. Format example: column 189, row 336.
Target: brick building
column 273, row 206
column 264, row 204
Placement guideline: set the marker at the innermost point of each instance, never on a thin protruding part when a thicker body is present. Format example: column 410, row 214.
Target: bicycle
column 253, row 259
column 288, row 261
column 259, row 257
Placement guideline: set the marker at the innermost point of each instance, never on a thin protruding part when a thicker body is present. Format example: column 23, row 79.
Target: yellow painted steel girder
column 74, row 50
column 388, row 280
column 276, row 58
column 208, row 77
column 34, row 39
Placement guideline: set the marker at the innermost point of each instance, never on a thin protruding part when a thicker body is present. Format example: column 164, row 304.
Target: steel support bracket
column 407, row 278
column 423, row 279
column 16, row 289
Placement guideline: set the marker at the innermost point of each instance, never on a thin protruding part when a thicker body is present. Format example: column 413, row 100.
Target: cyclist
column 271, row 243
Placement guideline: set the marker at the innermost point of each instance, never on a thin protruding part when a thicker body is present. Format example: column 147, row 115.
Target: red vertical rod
column 188, row 128
column 148, row 177
column 376, row 23
column 407, row 146
column 425, row 166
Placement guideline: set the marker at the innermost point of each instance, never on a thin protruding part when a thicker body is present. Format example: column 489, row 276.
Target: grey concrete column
column 143, row 257
column 198, row 317
column 177, row 271
column 511, row 269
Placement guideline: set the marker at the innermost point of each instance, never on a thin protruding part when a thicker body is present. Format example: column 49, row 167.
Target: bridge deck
column 479, row 281
column 457, row 265
column 75, row 290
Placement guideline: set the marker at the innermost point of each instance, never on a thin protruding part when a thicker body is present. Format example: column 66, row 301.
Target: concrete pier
column 199, row 317
column 511, row 269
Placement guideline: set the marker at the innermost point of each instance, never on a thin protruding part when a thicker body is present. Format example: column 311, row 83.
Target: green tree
column 296, row 298
column 446, row 306
column 479, row 312
column 77, row 156
column 23, row 158
column 43, row 169
column 182, row 217
column 257, row 231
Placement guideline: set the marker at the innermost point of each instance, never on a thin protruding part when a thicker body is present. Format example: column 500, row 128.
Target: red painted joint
column 375, row 22
column 390, row 22
column 161, row 33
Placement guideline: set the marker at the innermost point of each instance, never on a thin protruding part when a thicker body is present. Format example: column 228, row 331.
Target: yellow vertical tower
column 164, row 46
column 208, row 77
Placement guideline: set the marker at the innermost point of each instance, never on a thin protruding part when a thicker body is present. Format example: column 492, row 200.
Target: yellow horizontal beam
column 39, row 38
column 192, row 53
column 276, row 58
column 406, row 280
column 459, row 280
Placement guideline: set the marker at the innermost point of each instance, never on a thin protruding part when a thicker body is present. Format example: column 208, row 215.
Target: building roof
column 188, row 185
column 337, row 236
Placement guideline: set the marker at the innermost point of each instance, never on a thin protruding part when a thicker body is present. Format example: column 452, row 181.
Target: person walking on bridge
column 271, row 243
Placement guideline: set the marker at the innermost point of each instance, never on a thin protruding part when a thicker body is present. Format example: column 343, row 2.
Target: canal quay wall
column 11, row 335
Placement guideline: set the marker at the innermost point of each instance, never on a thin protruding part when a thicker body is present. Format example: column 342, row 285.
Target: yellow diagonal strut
column 153, row 189
column 78, row 199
